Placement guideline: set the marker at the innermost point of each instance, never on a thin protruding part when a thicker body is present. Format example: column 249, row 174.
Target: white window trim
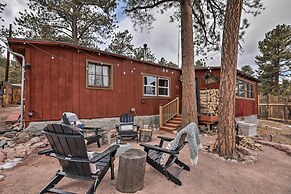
column 156, row 86
column 161, row 78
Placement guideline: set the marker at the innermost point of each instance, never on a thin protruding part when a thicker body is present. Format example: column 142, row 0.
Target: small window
column 241, row 88
column 236, row 88
column 149, row 86
column 98, row 75
column 244, row 89
column 251, row 91
column 156, row 86
column 163, row 87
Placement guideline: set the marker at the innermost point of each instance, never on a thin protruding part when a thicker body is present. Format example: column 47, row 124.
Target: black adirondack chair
column 127, row 128
column 155, row 154
column 68, row 146
column 84, row 129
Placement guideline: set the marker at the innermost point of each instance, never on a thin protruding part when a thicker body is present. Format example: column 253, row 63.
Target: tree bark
column 74, row 25
column 226, row 146
column 189, row 108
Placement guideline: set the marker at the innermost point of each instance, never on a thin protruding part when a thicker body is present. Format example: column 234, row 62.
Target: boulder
column 22, row 138
column 3, row 156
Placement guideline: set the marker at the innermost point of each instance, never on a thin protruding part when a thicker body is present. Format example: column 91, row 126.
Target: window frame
column 157, row 87
column 247, row 87
column 102, row 64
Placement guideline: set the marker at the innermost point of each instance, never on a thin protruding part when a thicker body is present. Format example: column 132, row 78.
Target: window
column 251, row 91
column 163, row 87
column 244, row 89
column 98, row 75
column 241, row 89
column 156, row 86
column 149, row 86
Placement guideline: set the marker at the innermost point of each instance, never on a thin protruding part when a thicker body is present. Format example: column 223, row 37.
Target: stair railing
column 169, row 111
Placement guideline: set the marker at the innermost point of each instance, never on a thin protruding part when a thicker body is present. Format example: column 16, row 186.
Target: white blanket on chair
column 193, row 139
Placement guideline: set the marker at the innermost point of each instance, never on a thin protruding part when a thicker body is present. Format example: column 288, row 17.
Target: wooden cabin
column 96, row 84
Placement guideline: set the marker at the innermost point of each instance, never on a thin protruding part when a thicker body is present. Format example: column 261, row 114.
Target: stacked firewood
column 209, row 101
column 249, row 143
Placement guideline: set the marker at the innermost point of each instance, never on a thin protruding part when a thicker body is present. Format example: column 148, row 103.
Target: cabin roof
column 19, row 45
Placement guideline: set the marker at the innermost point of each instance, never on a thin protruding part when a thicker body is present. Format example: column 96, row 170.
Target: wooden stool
column 131, row 171
column 145, row 135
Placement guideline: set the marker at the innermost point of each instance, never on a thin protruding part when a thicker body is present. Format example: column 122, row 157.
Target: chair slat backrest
column 181, row 142
column 126, row 118
column 69, row 143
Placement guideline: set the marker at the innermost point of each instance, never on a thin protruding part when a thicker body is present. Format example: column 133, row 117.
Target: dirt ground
column 4, row 112
column 280, row 132
column 270, row 174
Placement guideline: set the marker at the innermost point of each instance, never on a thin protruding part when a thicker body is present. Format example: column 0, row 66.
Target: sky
column 163, row 39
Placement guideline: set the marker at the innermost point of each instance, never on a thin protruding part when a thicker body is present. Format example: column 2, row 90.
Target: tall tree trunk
column 189, row 108
column 74, row 25
column 226, row 112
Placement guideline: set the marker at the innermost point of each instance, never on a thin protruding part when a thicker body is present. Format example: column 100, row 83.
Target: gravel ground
column 270, row 174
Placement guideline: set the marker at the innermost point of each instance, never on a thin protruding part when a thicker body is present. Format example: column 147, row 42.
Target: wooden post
column 131, row 171
column 178, row 105
column 161, row 116
column 267, row 107
column 8, row 56
column 286, row 110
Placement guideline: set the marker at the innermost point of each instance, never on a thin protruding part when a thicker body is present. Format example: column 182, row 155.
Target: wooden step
column 177, row 119
column 168, row 129
column 175, row 122
column 176, row 125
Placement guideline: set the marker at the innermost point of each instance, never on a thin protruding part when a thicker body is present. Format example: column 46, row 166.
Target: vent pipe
column 145, row 52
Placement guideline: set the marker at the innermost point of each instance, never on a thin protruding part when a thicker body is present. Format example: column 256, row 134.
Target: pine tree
column 275, row 61
column 248, row 70
column 166, row 63
column 138, row 53
column 76, row 21
column 122, row 44
column 208, row 20
column 2, row 28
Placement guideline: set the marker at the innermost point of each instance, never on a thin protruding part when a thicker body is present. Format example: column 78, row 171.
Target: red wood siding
column 243, row 106
column 57, row 83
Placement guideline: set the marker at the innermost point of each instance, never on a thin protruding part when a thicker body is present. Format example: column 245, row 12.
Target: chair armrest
column 99, row 156
column 84, row 129
column 137, row 127
column 157, row 148
column 46, row 151
column 166, row 138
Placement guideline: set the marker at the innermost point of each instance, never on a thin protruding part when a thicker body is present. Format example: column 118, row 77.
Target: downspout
column 22, row 87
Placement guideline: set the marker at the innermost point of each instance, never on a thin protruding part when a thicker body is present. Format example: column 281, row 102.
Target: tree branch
column 149, row 6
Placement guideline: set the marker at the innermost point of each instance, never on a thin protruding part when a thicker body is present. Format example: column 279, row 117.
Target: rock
column 1, row 177
column 243, row 150
column 22, row 138
column 38, row 145
column 3, row 156
column 215, row 155
column 10, row 134
column 10, row 163
column 34, row 140
column 222, row 158
column 11, row 144
column 22, row 151
column 4, row 138
column 234, row 161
